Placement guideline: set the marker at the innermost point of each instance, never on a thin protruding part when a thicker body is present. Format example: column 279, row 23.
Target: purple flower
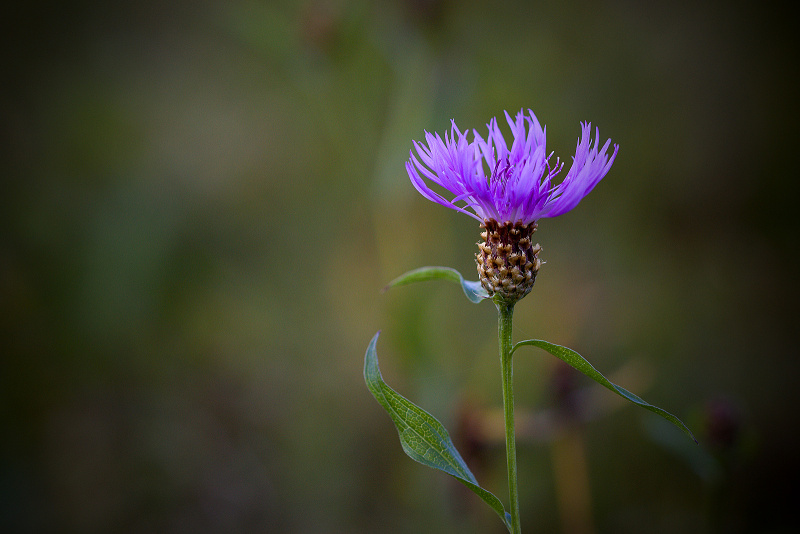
column 519, row 186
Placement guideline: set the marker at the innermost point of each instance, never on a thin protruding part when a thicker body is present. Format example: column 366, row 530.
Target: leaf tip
column 371, row 370
column 374, row 340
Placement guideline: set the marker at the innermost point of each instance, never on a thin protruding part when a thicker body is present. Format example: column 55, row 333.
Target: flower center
column 503, row 172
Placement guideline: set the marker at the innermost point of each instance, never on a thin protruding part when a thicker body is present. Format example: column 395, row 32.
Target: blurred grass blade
column 423, row 438
column 473, row 290
column 578, row 362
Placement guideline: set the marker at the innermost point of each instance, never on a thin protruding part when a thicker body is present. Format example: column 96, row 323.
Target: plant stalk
column 505, row 315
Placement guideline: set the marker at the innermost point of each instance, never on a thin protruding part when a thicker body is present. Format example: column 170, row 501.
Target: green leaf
column 423, row 438
column 577, row 361
column 473, row 290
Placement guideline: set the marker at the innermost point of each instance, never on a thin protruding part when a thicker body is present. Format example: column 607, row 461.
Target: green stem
column 505, row 315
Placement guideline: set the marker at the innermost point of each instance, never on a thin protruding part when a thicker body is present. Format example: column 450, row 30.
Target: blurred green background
column 202, row 200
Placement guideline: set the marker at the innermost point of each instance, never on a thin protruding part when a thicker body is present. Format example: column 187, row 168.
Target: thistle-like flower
column 508, row 190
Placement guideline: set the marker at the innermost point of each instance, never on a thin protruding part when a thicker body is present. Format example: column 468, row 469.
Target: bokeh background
column 202, row 201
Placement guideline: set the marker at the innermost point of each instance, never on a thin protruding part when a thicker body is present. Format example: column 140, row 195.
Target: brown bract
column 507, row 261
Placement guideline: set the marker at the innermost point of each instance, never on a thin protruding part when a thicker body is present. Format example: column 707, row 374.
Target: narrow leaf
column 473, row 290
column 577, row 361
column 423, row 438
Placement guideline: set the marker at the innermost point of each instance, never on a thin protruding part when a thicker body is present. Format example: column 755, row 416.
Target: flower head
column 507, row 190
column 507, row 184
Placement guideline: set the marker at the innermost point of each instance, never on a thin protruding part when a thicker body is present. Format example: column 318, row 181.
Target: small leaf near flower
column 473, row 290
column 423, row 438
column 578, row 362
